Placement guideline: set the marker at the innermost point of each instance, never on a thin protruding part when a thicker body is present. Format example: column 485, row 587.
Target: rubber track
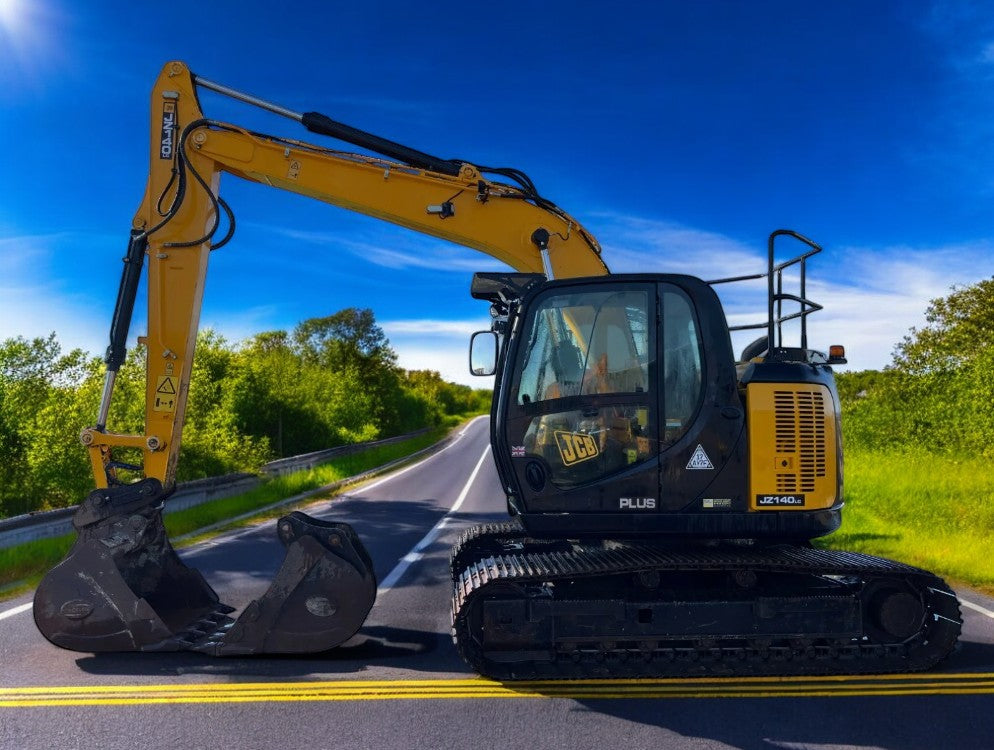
column 482, row 540
column 711, row 656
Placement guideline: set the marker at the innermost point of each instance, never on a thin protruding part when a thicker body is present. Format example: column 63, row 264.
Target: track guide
column 546, row 608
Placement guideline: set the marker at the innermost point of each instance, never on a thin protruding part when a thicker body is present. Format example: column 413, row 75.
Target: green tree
column 350, row 341
column 42, row 464
column 334, row 380
column 264, row 394
column 349, row 338
column 959, row 327
column 938, row 393
column 214, row 442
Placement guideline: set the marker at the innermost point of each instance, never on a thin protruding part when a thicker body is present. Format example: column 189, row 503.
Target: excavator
column 663, row 494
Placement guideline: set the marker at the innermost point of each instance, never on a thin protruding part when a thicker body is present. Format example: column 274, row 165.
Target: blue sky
column 681, row 134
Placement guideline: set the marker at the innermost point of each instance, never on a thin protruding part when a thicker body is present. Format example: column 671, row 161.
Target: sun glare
column 12, row 15
column 28, row 52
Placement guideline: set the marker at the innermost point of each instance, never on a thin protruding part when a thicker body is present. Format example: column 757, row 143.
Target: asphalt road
column 399, row 683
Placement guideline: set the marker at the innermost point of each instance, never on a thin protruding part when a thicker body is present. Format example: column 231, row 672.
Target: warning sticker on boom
column 700, row 459
column 165, row 393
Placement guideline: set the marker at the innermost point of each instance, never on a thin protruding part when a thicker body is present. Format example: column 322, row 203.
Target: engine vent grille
column 801, row 439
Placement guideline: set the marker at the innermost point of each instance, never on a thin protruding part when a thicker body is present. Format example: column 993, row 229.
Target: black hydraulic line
column 186, row 165
column 324, row 125
column 125, row 305
column 231, row 224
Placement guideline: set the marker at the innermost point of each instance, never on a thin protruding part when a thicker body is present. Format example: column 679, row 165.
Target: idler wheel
column 894, row 612
column 900, row 614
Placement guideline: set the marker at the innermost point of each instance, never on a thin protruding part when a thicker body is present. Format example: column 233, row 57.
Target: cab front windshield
column 591, row 349
column 587, row 343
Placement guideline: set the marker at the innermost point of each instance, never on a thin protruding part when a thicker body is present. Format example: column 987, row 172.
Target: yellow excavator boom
column 181, row 210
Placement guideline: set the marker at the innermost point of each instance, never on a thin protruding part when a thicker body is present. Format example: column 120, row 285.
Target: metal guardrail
column 288, row 465
column 31, row 527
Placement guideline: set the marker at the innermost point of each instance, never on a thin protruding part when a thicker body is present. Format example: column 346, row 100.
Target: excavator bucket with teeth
column 122, row 587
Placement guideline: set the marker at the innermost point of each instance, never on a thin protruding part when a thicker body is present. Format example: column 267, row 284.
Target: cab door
column 583, row 424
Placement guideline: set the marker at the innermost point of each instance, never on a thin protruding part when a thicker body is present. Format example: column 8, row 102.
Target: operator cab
column 618, row 409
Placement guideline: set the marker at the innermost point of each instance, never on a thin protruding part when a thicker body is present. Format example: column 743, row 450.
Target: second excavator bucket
column 122, row 587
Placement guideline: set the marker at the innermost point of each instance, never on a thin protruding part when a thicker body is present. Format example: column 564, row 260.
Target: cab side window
column 681, row 355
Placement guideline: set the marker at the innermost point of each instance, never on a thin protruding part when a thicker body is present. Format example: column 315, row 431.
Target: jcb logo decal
column 575, row 447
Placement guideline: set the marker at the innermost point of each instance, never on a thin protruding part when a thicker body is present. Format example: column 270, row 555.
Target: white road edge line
column 220, row 539
column 394, row 475
column 416, row 554
column 976, row 608
column 15, row 611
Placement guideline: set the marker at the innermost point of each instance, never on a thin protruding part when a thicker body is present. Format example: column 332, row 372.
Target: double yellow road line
column 478, row 688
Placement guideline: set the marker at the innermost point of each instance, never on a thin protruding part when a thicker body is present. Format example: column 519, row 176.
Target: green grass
column 932, row 511
column 22, row 566
column 27, row 562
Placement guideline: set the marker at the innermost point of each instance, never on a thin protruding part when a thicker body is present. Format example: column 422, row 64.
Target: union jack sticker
column 517, row 451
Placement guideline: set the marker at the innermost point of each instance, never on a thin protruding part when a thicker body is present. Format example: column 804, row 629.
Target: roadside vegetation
column 919, row 440
column 330, row 381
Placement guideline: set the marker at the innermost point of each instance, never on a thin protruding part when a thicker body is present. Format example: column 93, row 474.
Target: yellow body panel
column 500, row 227
column 792, row 447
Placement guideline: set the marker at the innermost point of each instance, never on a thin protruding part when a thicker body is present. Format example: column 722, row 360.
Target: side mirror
column 483, row 353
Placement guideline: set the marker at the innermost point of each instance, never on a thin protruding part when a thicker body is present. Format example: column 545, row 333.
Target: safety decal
column 165, row 393
column 717, row 503
column 575, row 447
column 700, row 459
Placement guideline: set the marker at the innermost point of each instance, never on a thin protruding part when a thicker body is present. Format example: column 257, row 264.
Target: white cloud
column 440, row 345
column 34, row 304
column 882, row 294
column 449, row 359
column 872, row 296
column 637, row 245
column 434, row 328
column 987, row 53
column 406, row 251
